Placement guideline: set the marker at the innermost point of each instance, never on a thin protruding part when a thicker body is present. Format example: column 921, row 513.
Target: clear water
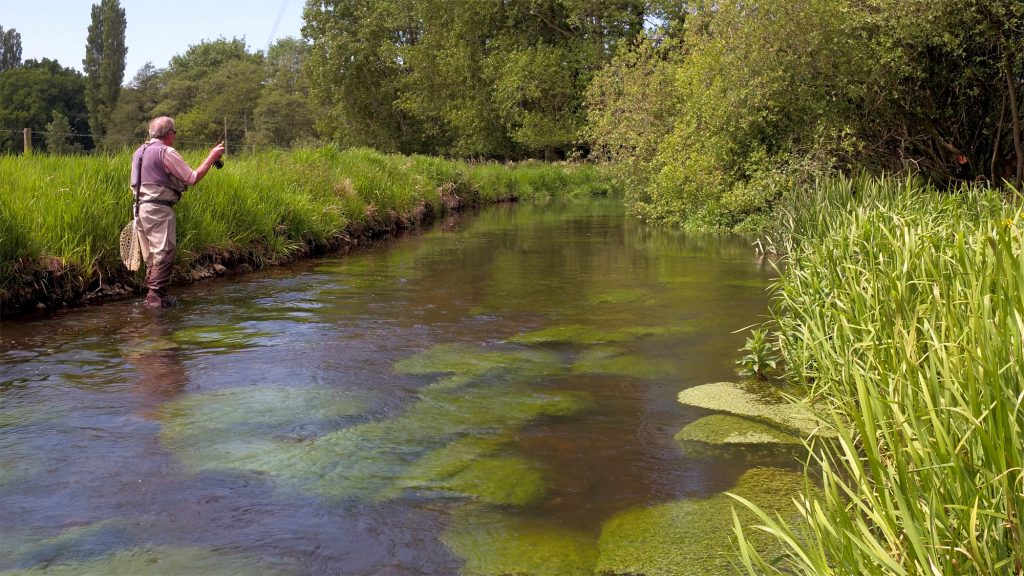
column 215, row 426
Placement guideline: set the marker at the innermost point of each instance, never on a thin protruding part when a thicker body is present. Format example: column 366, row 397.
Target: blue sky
column 56, row 29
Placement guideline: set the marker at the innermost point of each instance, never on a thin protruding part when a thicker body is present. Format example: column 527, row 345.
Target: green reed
column 902, row 310
column 64, row 213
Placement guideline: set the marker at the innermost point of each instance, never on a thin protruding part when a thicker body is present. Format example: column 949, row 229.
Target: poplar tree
column 10, row 49
column 104, row 63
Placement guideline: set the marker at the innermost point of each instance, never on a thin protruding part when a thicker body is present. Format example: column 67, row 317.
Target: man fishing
column 159, row 177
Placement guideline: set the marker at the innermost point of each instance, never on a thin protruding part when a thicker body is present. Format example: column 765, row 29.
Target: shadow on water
column 422, row 407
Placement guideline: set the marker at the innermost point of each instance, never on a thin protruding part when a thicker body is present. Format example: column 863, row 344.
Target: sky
column 156, row 30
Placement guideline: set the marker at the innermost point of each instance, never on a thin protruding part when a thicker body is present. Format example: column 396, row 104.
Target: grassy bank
column 901, row 309
column 60, row 216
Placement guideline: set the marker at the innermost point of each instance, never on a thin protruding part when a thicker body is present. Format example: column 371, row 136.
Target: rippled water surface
column 469, row 399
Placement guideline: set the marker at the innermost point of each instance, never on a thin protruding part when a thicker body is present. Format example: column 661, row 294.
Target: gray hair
column 160, row 127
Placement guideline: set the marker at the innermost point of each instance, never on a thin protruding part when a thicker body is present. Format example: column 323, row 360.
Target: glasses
column 173, row 131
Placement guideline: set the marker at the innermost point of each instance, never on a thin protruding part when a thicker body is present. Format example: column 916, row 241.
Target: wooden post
column 26, row 136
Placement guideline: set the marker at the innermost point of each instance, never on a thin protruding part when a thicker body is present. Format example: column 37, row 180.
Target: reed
column 61, row 215
column 902, row 310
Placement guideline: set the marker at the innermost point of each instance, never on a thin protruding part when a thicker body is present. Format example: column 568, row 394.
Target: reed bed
column 60, row 216
column 902, row 311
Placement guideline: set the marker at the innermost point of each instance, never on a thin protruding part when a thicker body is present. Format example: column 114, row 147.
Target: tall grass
column 902, row 309
column 65, row 212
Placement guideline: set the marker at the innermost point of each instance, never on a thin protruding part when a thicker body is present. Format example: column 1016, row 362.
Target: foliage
column 761, row 358
column 758, row 99
column 129, row 122
column 58, row 133
column 211, row 91
column 104, row 61
column 485, row 79
column 10, row 49
column 901, row 308
column 30, row 93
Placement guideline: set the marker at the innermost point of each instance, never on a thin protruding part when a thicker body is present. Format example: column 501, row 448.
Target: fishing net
column 131, row 251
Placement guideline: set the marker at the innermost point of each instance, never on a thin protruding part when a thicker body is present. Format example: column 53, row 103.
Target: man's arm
column 180, row 169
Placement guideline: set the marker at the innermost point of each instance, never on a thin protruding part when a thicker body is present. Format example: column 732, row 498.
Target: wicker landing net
column 131, row 252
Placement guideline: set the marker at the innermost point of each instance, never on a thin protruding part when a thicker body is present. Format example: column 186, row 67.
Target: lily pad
column 695, row 536
column 617, row 362
column 734, row 399
column 491, row 542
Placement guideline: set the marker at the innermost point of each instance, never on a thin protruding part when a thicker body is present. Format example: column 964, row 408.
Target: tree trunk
column 997, row 156
column 1015, row 116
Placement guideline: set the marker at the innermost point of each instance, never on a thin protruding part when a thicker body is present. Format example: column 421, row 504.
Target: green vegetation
column 736, row 399
column 715, row 127
column 492, row 542
column 695, row 535
column 901, row 310
column 449, row 443
column 261, row 209
column 158, row 561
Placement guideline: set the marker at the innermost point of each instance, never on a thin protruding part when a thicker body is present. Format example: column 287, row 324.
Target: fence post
column 26, row 136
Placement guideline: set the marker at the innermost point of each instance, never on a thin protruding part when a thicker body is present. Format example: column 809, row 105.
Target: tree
column 10, row 49
column 284, row 112
column 104, row 63
column 129, row 123
column 58, row 135
column 473, row 78
column 32, row 92
column 212, row 82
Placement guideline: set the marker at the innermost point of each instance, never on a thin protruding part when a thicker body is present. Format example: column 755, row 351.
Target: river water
column 496, row 387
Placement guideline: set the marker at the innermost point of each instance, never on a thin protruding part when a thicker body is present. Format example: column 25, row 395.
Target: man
column 159, row 177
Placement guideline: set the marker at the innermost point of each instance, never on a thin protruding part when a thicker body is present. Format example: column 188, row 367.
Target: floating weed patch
column 376, row 460
column 617, row 362
column 737, row 438
column 724, row 429
column 217, row 337
column 734, row 399
column 581, row 334
column 491, row 542
column 695, row 536
column 468, row 363
column 157, row 561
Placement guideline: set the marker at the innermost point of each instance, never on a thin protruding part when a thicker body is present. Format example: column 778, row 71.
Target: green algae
column 468, row 363
column 375, row 460
column 493, row 543
column 158, row 561
column 86, row 541
column 217, row 337
column 725, row 429
column 505, row 480
column 695, row 536
column 582, row 334
column 617, row 362
column 621, row 296
column 734, row 399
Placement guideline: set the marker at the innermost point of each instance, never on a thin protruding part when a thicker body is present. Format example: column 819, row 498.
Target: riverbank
column 900, row 310
column 60, row 216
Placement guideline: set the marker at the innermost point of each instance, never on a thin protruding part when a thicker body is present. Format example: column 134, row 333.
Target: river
column 480, row 397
